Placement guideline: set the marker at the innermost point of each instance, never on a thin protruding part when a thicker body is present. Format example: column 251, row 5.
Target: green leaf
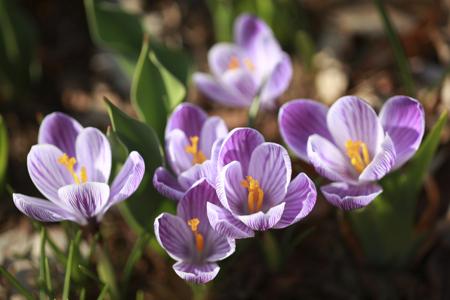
column 42, row 273
column 3, row 153
column 106, row 272
column 16, row 284
column 115, row 29
column 18, row 64
column 140, row 209
column 69, row 266
column 154, row 91
column 103, row 292
column 134, row 256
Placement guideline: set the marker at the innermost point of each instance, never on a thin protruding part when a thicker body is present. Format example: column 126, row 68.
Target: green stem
column 399, row 53
column 199, row 291
column 271, row 251
column 253, row 112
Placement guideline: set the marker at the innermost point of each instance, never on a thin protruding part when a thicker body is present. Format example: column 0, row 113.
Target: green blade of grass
column 135, row 255
column 69, row 266
column 103, row 292
column 48, row 279
column 16, row 284
column 85, row 271
column 82, row 294
column 42, row 277
column 399, row 53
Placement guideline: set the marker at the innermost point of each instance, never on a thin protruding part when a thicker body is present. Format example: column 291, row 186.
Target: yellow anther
column 199, row 240
column 358, row 153
column 197, row 156
column 255, row 194
column 249, row 64
column 234, row 63
column 69, row 163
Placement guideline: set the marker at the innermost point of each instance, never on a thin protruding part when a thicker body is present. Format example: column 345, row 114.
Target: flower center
column 69, row 163
column 255, row 194
column 199, row 240
column 197, row 156
column 234, row 64
column 358, row 153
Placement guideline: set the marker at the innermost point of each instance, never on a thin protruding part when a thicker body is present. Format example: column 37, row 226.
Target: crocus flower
column 189, row 239
column 71, row 166
column 254, row 66
column 352, row 146
column 255, row 188
column 192, row 141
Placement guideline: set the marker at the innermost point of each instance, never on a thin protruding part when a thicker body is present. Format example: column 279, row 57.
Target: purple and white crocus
column 71, row 166
column 352, row 146
column 254, row 66
column 189, row 239
column 255, row 189
column 192, row 142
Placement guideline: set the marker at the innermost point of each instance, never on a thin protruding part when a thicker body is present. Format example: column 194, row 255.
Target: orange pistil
column 358, row 153
column 199, row 240
column 197, row 156
column 255, row 194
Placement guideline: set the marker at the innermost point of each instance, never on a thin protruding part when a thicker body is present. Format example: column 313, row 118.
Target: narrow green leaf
column 3, row 152
column 83, row 293
column 85, row 271
column 48, row 278
column 135, row 255
column 16, row 284
column 103, row 292
column 399, row 53
column 140, row 295
column 138, row 136
column 69, row 266
column 42, row 278
column 154, row 91
column 106, row 272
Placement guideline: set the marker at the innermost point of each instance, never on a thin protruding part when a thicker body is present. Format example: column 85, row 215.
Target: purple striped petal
column 382, row 163
column 329, row 161
column 298, row 120
column 403, row 118
column 222, row 221
column 193, row 204
column 218, row 246
column 196, row 273
column 218, row 92
column 239, row 145
column 220, row 56
column 232, row 195
column 349, row 197
column 176, row 143
column 174, row 235
column 207, row 170
column 94, row 153
column 300, row 200
column 277, row 83
column 167, row 185
column 271, row 166
column 213, row 129
column 187, row 117
column 263, row 221
column 60, row 130
column 47, row 174
column 41, row 210
column 258, row 42
column 128, row 179
column 350, row 118
column 86, row 199
column 242, row 84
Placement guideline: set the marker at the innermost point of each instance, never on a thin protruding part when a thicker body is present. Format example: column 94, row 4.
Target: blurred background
column 53, row 57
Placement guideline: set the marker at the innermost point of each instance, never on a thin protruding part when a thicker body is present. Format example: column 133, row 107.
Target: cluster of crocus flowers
column 189, row 238
column 71, row 166
column 192, row 140
column 352, row 146
column 254, row 66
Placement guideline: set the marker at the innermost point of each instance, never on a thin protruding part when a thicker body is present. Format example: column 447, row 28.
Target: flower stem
column 199, row 291
column 271, row 250
column 253, row 112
